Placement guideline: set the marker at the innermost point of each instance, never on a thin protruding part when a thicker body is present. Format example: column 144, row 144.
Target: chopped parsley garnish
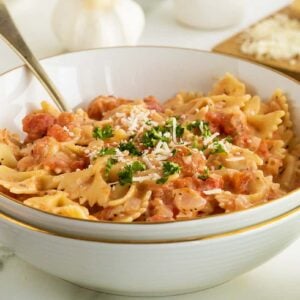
column 125, row 176
column 204, row 175
column 217, row 147
column 195, row 144
column 158, row 133
column 131, row 148
column 106, row 151
column 162, row 180
column 110, row 162
column 179, row 131
column 169, row 168
column 138, row 166
column 202, row 126
column 169, row 127
column 229, row 139
column 103, row 133
column 219, row 167
column 151, row 137
column 174, row 151
column 148, row 122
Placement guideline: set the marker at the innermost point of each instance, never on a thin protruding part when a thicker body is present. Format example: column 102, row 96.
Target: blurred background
column 51, row 27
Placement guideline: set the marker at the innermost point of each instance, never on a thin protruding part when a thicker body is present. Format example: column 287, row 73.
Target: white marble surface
column 277, row 279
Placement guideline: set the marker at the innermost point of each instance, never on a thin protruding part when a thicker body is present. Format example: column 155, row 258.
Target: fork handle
column 11, row 35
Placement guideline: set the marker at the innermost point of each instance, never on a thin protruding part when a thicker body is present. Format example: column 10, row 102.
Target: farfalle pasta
column 127, row 160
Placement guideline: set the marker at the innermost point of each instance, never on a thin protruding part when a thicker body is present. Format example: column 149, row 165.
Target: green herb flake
column 125, row 176
column 106, row 151
column 229, row 139
column 138, row 166
column 219, row 167
column 179, row 131
column 131, row 148
column 195, row 144
column 217, row 147
column 103, row 133
column 151, row 137
column 148, row 122
column 169, row 168
column 204, row 175
column 162, row 180
column 202, row 126
column 109, row 164
column 169, row 127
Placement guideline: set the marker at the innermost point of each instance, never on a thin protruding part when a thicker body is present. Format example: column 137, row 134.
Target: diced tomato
column 230, row 124
column 240, row 182
column 65, row 118
column 263, row 149
column 185, row 182
column 102, row 104
column 216, row 121
column 46, row 152
column 153, row 103
column 190, row 163
column 211, row 183
column 159, row 210
column 58, row 133
column 198, row 184
column 36, row 125
column 163, row 192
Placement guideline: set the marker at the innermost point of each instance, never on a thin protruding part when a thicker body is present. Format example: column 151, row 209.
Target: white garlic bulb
column 85, row 24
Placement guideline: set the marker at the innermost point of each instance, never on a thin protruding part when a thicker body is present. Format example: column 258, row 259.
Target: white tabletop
column 277, row 279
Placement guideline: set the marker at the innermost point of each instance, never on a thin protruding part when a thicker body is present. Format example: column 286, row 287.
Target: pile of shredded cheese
column 276, row 38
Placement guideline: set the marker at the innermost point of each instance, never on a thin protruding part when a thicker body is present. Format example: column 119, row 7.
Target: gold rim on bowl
column 19, row 223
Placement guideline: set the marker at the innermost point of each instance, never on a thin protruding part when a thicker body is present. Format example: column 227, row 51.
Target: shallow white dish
column 155, row 268
column 135, row 72
column 202, row 13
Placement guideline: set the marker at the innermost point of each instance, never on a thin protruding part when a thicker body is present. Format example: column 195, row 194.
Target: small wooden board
column 232, row 46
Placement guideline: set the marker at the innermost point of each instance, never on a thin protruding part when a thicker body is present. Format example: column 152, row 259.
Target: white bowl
column 155, row 268
column 205, row 14
column 135, row 72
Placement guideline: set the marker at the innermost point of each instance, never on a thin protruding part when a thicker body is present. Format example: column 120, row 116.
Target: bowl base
column 149, row 294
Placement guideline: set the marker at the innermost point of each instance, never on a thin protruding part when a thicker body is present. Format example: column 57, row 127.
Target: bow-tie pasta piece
column 86, row 186
column 266, row 125
column 128, row 211
column 31, row 182
column 59, row 204
column 229, row 85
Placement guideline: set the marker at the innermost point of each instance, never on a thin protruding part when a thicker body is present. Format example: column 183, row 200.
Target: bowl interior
column 133, row 72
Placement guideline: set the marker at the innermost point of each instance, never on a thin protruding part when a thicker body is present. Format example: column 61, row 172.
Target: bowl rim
column 228, row 234
column 197, row 219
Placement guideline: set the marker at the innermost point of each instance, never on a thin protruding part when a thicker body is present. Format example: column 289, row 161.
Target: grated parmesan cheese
column 209, row 139
column 277, row 38
column 121, row 156
column 174, row 125
column 137, row 118
column 213, row 191
column 162, row 151
column 147, row 177
column 148, row 163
